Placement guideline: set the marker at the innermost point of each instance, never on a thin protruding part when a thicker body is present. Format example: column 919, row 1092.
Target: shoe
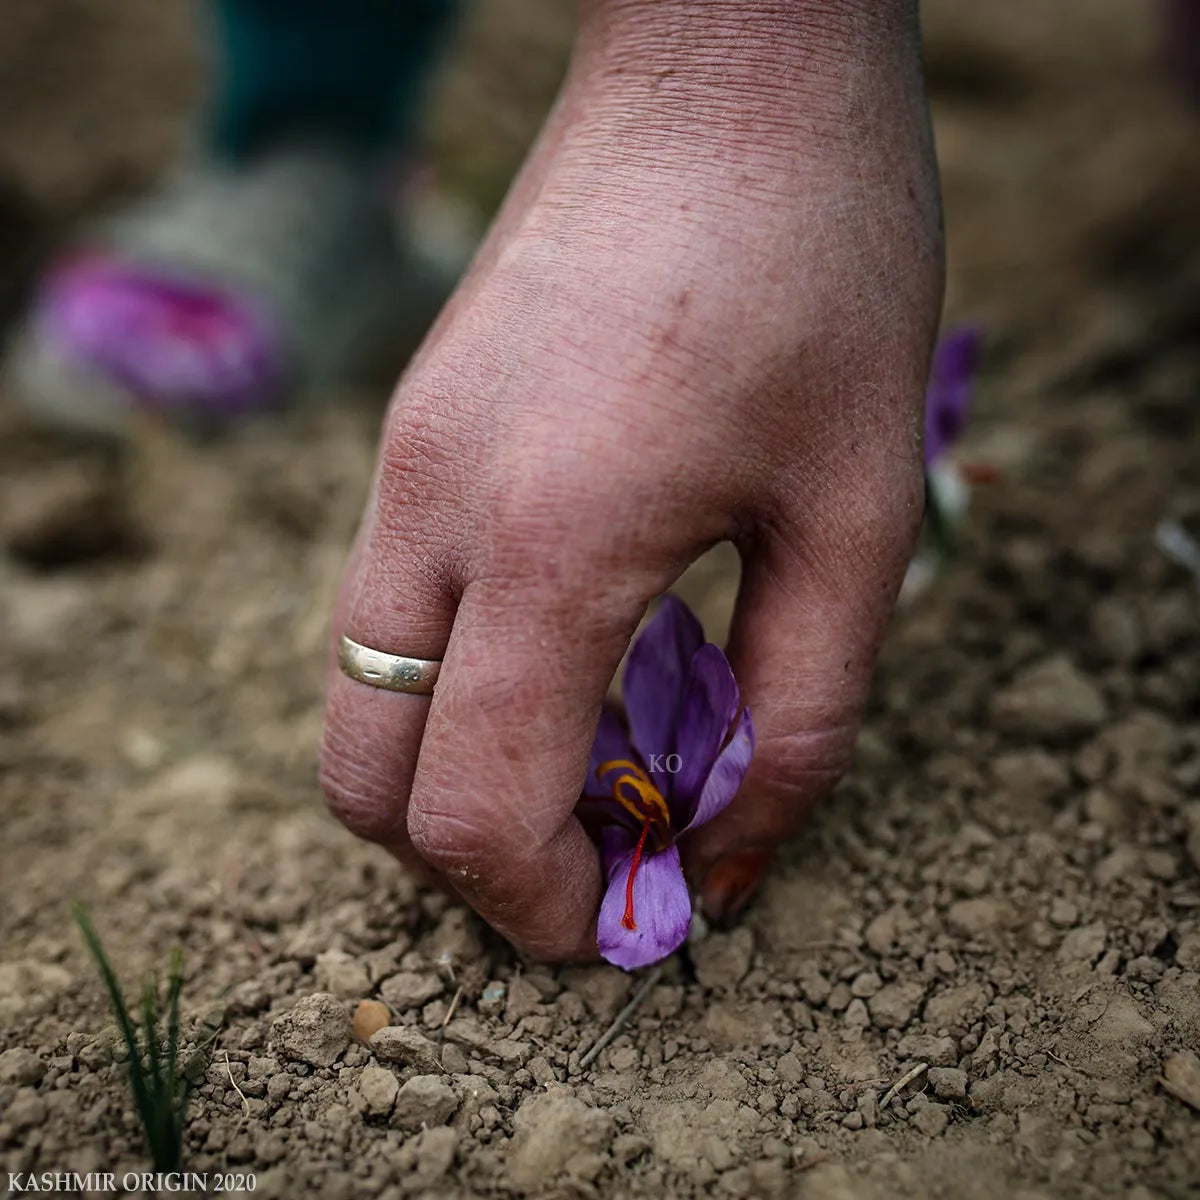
column 234, row 291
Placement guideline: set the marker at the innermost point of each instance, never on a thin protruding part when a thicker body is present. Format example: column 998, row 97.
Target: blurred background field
column 1007, row 887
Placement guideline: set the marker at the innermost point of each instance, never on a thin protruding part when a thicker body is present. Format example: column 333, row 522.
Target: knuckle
column 451, row 841
column 858, row 530
column 423, row 422
column 416, row 458
column 419, row 521
column 805, row 762
column 422, row 457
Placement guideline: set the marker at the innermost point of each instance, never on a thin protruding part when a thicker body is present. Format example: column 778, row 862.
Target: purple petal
column 596, row 806
column 662, row 908
column 726, row 775
column 615, row 842
column 599, row 813
column 611, row 744
column 710, row 706
column 174, row 343
column 948, row 396
column 656, row 676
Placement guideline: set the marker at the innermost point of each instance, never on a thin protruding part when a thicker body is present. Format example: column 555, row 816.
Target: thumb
column 810, row 616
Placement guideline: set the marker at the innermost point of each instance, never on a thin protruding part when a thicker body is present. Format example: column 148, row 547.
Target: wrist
column 838, row 18
column 770, row 100
column 742, row 54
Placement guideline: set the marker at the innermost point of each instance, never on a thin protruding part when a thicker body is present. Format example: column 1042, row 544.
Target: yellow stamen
column 646, row 802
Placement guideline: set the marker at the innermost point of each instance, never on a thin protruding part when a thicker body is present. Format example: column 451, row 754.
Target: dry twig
column 903, row 1082
column 453, row 1007
column 233, row 1084
column 621, row 1018
column 1068, row 1065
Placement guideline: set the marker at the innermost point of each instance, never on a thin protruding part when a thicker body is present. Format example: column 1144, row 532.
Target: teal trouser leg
column 348, row 71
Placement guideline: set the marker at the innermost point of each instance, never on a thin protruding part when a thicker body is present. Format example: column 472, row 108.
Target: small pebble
column 26, row 1109
column 21, row 1066
column 410, row 989
column 378, row 1088
column 454, row 1061
column 624, row 1058
column 948, row 1083
column 423, row 1101
column 316, row 1030
column 402, row 1044
column 369, row 1017
column 542, row 1072
column 342, row 974
column 865, row 985
column 932, row 1120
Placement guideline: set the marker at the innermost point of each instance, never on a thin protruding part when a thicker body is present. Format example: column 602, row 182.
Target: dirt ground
column 1004, row 894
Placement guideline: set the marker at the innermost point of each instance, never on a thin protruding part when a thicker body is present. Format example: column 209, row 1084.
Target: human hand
column 704, row 314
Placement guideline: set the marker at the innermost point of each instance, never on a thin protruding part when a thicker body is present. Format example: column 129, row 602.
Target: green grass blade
column 160, row 1136
column 150, row 1031
column 160, row 1092
column 177, row 1099
column 137, row 1078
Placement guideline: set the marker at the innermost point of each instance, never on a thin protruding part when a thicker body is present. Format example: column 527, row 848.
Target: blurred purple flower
column 688, row 745
column 951, row 378
column 175, row 344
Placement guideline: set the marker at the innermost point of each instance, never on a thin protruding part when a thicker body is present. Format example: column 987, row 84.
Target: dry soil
column 1001, row 904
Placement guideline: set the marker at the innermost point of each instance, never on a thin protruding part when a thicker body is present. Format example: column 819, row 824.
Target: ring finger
column 396, row 600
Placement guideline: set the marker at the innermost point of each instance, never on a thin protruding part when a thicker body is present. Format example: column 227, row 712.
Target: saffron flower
column 677, row 764
column 947, row 481
column 175, row 344
column 948, row 396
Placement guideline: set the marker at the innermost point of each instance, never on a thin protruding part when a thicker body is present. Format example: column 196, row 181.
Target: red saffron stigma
column 627, row 920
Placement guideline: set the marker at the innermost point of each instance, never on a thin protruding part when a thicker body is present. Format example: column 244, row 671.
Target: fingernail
column 731, row 883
